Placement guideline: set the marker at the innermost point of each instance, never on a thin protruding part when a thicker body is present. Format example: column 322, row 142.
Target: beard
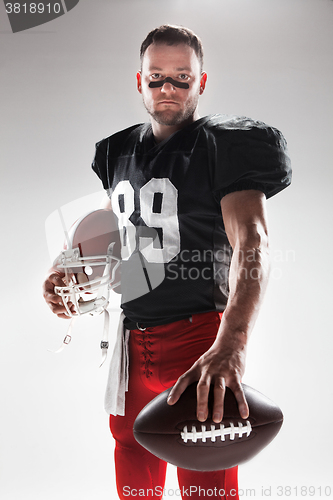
column 173, row 117
column 168, row 117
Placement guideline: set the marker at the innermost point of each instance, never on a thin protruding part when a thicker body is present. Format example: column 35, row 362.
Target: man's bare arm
column 223, row 364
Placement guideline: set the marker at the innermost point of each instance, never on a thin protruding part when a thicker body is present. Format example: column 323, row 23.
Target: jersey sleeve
column 100, row 162
column 109, row 150
column 255, row 157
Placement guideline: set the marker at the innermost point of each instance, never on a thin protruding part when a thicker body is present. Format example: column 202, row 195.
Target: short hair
column 173, row 35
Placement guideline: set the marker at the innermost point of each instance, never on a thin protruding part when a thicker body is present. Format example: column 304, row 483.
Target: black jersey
column 167, row 198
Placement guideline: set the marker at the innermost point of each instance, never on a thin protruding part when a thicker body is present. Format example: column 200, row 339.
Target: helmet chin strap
column 67, row 338
column 94, row 306
column 104, row 341
column 160, row 83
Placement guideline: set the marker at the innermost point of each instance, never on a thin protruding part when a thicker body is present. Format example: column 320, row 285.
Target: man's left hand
column 222, row 366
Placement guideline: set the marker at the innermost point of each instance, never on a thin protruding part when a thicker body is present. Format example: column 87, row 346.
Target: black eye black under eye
column 160, row 83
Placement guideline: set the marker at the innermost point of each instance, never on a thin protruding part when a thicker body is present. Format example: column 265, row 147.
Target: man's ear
column 138, row 77
column 203, row 81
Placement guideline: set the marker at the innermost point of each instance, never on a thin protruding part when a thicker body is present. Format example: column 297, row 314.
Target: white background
column 69, row 83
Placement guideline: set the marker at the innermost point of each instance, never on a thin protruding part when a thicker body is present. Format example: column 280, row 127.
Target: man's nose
column 167, row 87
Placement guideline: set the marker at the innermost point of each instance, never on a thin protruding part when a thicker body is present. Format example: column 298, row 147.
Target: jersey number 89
column 166, row 218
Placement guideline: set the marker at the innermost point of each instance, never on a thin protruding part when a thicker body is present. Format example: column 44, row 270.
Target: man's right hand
column 51, row 298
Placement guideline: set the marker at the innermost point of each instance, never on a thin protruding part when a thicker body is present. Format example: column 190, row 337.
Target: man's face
column 168, row 104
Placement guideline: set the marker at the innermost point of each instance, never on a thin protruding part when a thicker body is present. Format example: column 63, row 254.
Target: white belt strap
column 117, row 384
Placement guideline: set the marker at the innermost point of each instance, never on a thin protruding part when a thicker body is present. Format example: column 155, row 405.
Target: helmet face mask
column 90, row 265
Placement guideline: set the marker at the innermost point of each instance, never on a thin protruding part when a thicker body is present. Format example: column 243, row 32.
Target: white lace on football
column 213, row 432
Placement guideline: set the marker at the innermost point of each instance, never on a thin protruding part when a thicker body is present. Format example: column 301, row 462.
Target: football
column 174, row 434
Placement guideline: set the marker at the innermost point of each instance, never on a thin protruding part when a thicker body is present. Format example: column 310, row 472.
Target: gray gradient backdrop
column 71, row 82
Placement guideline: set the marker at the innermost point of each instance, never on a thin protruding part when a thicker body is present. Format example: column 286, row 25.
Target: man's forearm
column 248, row 279
column 224, row 363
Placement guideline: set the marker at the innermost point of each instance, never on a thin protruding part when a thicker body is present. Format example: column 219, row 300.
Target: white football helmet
column 90, row 261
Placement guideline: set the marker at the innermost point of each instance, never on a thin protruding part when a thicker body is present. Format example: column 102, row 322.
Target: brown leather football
column 174, row 434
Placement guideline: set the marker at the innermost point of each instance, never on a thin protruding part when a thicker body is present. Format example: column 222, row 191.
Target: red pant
column 158, row 356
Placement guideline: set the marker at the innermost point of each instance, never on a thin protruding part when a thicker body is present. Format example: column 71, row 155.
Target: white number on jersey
column 166, row 218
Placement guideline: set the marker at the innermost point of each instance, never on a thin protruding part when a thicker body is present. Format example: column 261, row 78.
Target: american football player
column 201, row 184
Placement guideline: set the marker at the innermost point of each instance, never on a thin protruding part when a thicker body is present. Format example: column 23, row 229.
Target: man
column 202, row 184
